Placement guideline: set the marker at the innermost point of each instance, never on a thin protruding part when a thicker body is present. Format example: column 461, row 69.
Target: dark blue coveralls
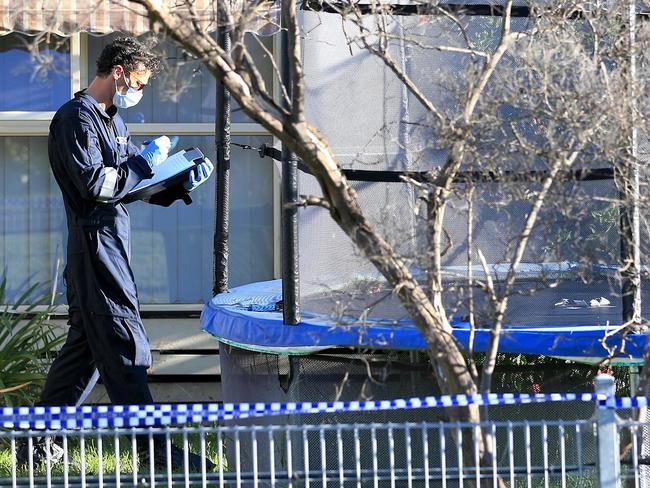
column 95, row 165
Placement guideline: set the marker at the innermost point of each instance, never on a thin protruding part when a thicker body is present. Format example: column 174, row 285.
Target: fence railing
column 166, row 446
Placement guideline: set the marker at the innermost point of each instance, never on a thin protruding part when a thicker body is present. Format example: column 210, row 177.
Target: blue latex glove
column 199, row 175
column 156, row 151
column 173, row 139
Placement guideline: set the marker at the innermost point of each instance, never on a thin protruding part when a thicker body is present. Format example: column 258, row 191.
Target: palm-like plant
column 28, row 341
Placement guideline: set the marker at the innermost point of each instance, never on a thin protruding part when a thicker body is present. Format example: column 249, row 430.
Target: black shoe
column 177, row 459
column 40, row 449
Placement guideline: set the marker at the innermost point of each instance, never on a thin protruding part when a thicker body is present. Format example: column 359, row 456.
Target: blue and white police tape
column 179, row 414
column 624, row 402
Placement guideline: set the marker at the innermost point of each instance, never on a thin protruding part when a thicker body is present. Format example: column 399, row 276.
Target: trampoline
column 332, row 314
column 248, row 317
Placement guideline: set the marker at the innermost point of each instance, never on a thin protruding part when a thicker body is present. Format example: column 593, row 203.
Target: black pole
column 222, row 180
column 289, row 215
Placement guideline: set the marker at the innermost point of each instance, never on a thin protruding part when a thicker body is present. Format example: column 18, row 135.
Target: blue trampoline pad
column 246, row 317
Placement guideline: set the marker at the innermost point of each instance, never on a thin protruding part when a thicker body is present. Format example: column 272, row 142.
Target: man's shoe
column 40, row 449
column 177, row 459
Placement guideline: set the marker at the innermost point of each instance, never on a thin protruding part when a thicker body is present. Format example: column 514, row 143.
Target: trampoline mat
column 568, row 303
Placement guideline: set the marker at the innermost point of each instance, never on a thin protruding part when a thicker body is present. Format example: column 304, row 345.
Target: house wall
column 172, row 247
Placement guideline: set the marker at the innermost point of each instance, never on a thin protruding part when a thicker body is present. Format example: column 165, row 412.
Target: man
column 96, row 165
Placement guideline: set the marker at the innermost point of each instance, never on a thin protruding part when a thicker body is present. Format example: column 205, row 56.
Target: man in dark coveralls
column 95, row 165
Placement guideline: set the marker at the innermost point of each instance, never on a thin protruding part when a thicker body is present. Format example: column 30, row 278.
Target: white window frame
column 25, row 123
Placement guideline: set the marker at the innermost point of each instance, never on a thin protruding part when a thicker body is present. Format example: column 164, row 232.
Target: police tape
column 107, row 416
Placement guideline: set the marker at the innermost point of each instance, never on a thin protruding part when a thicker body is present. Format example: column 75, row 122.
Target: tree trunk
column 452, row 373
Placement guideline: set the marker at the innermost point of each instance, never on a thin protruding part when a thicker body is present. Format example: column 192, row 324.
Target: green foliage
column 27, row 343
column 605, row 225
column 484, row 39
column 599, row 231
column 522, row 372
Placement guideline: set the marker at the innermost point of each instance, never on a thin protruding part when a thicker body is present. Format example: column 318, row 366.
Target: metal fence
column 534, row 453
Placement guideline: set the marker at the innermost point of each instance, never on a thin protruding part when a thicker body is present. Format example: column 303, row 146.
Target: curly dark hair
column 129, row 53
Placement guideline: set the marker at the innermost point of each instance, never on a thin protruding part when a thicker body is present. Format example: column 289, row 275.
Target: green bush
column 28, row 341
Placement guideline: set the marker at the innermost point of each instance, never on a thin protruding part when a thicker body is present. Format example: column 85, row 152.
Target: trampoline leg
column 290, row 259
column 222, row 180
column 634, row 378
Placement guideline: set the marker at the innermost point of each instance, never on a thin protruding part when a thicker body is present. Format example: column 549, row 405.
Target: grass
column 106, row 464
column 571, row 481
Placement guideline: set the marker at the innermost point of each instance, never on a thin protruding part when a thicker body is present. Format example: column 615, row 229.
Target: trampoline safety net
column 569, row 272
column 374, row 123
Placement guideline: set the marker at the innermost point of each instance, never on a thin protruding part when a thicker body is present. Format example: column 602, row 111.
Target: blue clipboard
column 171, row 172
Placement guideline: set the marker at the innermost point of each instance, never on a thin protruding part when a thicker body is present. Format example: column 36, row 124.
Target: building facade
column 172, row 248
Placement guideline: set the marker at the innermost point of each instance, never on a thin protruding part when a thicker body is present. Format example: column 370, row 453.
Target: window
column 184, row 91
column 36, row 74
column 171, row 247
column 32, row 219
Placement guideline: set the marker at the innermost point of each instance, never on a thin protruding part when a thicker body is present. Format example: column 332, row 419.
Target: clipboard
column 171, row 172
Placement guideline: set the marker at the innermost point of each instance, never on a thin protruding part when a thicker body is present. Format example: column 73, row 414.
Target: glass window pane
column 32, row 220
column 172, row 248
column 35, row 74
column 184, row 92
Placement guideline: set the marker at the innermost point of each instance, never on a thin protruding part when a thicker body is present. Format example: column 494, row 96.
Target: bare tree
column 545, row 98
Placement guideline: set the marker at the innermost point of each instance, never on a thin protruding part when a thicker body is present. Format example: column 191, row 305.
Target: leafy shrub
column 28, row 341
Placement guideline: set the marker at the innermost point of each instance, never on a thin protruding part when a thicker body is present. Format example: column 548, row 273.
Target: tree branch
column 488, row 68
column 470, row 283
column 258, row 83
column 274, row 67
column 502, row 302
column 310, row 201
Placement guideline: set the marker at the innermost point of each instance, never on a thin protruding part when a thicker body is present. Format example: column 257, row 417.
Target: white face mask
column 129, row 99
